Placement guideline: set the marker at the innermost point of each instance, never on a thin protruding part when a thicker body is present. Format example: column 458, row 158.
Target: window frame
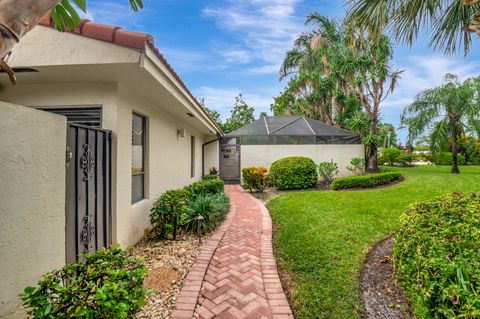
column 144, row 142
column 193, row 145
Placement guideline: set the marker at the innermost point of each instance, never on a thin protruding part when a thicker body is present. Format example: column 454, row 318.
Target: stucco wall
column 167, row 162
column 211, row 158
column 32, row 200
column 168, row 155
column 254, row 155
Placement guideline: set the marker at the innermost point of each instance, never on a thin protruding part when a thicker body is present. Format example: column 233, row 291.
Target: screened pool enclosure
column 290, row 130
column 271, row 138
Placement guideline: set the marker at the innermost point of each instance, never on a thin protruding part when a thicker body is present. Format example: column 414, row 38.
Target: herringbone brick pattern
column 241, row 278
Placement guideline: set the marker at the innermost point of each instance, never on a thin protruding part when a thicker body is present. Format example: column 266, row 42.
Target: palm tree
column 374, row 80
column 313, row 58
column 447, row 23
column 353, row 64
column 17, row 17
column 449, row 111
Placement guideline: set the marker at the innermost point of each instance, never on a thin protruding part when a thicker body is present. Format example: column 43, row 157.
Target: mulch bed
column 381, row 296
column 168, row 263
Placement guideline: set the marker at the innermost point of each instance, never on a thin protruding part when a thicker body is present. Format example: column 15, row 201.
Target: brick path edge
column 187, row 300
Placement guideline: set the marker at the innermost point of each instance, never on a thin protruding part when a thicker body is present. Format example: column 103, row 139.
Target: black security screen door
column 88, row 217
column 230, row 163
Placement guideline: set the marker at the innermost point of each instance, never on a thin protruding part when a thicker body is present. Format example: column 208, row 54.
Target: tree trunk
column 455, row 169
column 17, row 17
column 372, row 164
column 334, row 109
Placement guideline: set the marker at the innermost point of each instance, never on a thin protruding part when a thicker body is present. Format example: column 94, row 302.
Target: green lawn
column 322, row 237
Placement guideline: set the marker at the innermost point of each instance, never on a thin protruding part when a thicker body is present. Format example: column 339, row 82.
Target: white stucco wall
column 168, row 155
column 32, row 200
column 265, row 155
column 167, row 164
column 44, row 46
column 211, row 159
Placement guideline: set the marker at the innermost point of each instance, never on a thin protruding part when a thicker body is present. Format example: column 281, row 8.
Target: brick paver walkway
column 235, row 275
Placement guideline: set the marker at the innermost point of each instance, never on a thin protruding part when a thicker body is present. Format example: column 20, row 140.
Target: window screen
column 88, row 116
column 138, row 157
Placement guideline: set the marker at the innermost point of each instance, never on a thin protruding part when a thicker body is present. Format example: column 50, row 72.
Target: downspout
column 203, row 152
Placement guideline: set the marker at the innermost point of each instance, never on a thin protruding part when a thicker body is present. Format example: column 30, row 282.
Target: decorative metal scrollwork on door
column 88, row 232
column 87, row 162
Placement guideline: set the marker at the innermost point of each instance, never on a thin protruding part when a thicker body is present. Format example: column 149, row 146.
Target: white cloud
column 237, row 56
column 265, row 69
column 114, row 12
column 223, row 99
column 427, row 71
column 264, row 29
column 422, row 72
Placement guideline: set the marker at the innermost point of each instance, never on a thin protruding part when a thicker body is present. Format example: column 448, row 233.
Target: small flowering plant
column 255, row 178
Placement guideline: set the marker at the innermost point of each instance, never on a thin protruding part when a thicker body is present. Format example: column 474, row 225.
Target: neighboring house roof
column 289, row 126
column 131, row 39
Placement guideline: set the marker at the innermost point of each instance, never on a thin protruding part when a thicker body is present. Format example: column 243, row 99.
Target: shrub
column 212, row 208
column 474, row 159
column 205, row 187
column 437, row 258
column 293, row 173
column 366, row 181
column 210, row 177
column 106, row 285
column 327, row 171
column 357, row 165
column 167, row 210
column 445, row 158
column 255, row 178
column 406, row 160
column 390, row 155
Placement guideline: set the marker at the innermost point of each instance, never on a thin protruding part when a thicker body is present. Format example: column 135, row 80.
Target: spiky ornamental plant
column 17, row 17
column 448, row 23
column 448, row 111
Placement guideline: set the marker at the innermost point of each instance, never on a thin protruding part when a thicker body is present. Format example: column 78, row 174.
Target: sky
column 222, row 48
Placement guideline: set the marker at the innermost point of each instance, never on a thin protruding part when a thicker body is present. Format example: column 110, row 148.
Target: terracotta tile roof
column 130, row 39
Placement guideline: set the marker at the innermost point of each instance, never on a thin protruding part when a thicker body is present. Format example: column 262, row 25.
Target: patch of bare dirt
column 160, row 279
column 381, row 296
column 168, row 263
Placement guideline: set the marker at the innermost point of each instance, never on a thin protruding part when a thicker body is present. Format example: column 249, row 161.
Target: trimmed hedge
column 293, row 173
column 437, row 257
column 366, row 180
column 445, row 158
column 205, row 187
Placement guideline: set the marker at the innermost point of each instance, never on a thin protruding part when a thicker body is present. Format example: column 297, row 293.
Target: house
column 271, row 138
column 120, row 128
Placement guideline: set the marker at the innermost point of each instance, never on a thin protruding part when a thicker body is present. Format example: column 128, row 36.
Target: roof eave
column 154, row 63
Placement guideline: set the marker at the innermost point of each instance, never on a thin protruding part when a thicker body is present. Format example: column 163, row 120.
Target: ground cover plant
column 199, row 208
column 294, row 172
column 106, row 285
column 321, row 237
column 437, row 258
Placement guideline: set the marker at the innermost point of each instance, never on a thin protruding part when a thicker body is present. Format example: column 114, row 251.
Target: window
column 192, row 156
column 138, row 157
column 88, row 116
